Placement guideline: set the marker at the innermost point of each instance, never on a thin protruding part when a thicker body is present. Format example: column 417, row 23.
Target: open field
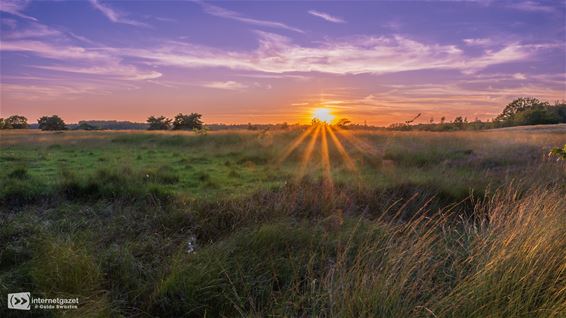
column 255, row 223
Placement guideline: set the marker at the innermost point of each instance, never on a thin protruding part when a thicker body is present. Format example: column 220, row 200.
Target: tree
column 520, row 104
column 158, row 123
column 16, row 122
column 458, row 122
column 537, row 116
column 2, row 123
column 187, row 122
column 51, row 123
column 561, row 110
column 316, row 122
column 343, row 123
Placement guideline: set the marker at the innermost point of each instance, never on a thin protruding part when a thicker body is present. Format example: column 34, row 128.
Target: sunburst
column 319, row 134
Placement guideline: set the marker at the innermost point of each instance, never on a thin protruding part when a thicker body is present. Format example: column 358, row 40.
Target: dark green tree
column 537, row 116
column 16, row 122
column 159, row 123
column 561, row 110
column 187, row 122
column 520, row 104
column 51, row 123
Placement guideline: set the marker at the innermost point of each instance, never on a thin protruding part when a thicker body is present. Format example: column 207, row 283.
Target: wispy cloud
column 34, row 30
column 44, row 91
column 326, row 16
column 377, row 55
column 531, row 6
column 478, row 41
column 115, row 15
column 275, row 54
column 229, row 14
column 228, row 85
column 114, row 69
column 15, row 7
column 59, row 88
column 58, row 52
column 37, row 31
column 77, row 59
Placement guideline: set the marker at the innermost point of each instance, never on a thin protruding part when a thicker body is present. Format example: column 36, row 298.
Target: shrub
column 19, row 173
column 51, row 123
column 19, row 189
column 158, row 123
column 14, row 122
column 187, row 122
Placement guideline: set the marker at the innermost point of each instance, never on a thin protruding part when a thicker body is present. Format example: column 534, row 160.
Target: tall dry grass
column 509, row 262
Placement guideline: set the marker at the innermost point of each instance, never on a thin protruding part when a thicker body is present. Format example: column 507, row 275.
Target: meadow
column 297, row 222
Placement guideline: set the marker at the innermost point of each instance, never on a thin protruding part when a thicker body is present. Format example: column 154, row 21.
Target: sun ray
column 307, row 153
column 360, row 145
column 347, row 159
column 327, row 175
column 295, row 144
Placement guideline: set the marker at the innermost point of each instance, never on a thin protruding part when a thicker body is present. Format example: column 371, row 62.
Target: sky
column 377, row 62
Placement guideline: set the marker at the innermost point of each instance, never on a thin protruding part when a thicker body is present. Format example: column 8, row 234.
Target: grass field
column 254, row 223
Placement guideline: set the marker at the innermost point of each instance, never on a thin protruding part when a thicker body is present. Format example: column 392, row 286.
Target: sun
column 323, row 114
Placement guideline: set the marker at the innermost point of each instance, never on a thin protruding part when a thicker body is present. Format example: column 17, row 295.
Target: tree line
column 521, row 111
column 180, row 122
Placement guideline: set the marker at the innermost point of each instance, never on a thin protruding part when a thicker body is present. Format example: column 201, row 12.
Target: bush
column 19, row 189
column 51, row 123
column 14, row 122
column 187, row 122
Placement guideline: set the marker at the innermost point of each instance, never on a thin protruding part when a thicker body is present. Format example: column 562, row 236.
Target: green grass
column 173, row 224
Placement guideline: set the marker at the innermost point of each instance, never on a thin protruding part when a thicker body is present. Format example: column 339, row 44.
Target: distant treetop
column 51, row 123
column 187, row 122
column 158, row 123
column 14, row 122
